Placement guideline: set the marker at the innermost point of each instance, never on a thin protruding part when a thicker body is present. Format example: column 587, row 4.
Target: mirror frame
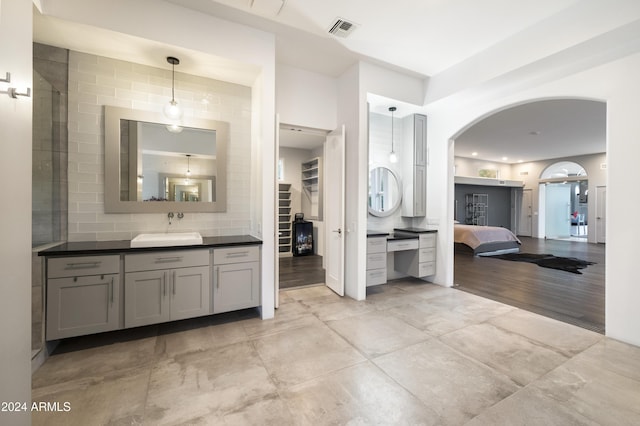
column 398, row 203
column 112, row 201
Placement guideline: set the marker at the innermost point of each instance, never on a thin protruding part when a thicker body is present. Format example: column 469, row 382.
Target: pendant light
column 393, row 158
column 172, row 110
column 188, row 173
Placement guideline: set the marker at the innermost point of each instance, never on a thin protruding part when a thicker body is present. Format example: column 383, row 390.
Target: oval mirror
column 385, row 191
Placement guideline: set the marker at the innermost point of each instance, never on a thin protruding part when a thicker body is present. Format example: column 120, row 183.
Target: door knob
column 339, row 231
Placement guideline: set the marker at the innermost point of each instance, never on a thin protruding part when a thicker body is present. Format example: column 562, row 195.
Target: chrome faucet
column 170, row 216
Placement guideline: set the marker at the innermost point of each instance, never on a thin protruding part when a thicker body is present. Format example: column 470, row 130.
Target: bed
column 484, row 240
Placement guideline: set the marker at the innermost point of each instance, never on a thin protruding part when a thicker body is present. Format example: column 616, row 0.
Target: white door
column 276, row 226
column 334, row 172
column 525, row 221
column 601, row 214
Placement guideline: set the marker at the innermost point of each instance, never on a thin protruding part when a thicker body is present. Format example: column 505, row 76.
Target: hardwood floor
column 571, row 298
column 298, row 271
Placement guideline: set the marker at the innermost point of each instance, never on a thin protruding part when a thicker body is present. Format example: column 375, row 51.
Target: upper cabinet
column 414, row 163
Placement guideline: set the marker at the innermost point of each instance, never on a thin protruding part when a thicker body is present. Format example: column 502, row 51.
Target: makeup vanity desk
column 414, row 251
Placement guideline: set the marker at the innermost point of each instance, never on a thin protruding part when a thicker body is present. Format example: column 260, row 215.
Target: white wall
column 305, row 98
column 15, row 244
column 95, row 81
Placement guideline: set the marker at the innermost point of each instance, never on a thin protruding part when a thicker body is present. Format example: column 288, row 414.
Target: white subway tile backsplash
column 97, row 81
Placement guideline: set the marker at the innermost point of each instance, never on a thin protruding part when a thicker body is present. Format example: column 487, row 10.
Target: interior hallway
column 412, row 353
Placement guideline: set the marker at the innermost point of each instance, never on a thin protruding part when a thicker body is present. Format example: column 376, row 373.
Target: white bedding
column 474, row 236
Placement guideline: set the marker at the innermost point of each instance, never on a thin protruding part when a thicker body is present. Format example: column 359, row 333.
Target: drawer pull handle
column 111, row 288
column 168, row 259
column 174, row 283
column 83, row 265
column 218, row 277
column 164, row 285
column 238, row 254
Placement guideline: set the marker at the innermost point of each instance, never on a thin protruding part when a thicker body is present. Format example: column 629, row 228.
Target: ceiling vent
column 342, row 28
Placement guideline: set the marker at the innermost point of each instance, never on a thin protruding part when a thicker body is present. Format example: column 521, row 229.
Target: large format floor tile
column 412, row 353
column 452, row 385
column 376, row 333
column 305, row 353
column 357, row 395
column 517, row 357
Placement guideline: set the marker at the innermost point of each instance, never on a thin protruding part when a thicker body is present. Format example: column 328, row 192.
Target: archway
column 564, row 192
column 527, row 287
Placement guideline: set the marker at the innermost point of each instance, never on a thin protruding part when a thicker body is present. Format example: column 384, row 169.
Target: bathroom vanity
column 103, row 286
column 414, row 251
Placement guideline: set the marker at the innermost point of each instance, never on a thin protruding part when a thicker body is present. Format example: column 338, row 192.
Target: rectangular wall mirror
column 152, row 166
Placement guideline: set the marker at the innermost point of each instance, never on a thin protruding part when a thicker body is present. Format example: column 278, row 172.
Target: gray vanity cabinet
column 414, row 161
column 236, row 278
column 166, row 286
column 83, row 295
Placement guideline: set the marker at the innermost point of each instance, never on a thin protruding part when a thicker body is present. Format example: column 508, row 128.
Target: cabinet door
column 236, row 286
column 190, row 292
column 420, row 139
column 146, row 298
column 420, row 191
column 82, row 305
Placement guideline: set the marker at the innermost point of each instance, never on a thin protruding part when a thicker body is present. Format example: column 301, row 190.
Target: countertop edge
column 82, row 248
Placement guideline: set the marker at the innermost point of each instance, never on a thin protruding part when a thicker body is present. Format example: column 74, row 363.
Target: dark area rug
column 569, row 264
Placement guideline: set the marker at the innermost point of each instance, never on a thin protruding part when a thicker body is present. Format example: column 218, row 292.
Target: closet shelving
column 284, row 219
column 311, row 177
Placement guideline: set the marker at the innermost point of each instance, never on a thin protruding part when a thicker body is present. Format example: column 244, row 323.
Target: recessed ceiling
column 537, row 131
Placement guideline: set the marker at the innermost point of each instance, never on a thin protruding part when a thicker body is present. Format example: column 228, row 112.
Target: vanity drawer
column 427, row 240
column 426, row 269
column 377, row 245
column 165, row 260
column 376, row 260
column 398, row 245
column 238, row 254
column 427, row 255
column 376, row 276
column 59, row 267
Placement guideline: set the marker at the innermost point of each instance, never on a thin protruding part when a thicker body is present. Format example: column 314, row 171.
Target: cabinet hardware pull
column 164, row 285
column 218, row 277
column 174, row 283
column 238, row 253
column 111, row 287
column 83, row 265
column 168, row 259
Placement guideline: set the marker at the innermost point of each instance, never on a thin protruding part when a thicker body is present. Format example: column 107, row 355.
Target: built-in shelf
column 311, row 178
column 284, row 219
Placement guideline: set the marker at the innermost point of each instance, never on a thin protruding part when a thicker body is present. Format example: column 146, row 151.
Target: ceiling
column 537, row 131
column 424, row 38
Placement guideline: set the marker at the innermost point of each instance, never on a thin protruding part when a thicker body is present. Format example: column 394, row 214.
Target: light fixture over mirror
column 393, row 158
column 172, row 110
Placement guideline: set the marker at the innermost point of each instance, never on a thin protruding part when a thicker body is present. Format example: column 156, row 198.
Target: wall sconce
column 12, row 91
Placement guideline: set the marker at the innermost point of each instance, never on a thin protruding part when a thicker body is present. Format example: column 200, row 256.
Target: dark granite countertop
column 416, row 230
column 377, row 234
column 82, row 248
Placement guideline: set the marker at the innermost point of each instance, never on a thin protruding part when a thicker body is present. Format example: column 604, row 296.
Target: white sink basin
column 167, row 239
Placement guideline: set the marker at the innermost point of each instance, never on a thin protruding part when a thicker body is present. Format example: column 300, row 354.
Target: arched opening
column 523, row 151
column 564, row 195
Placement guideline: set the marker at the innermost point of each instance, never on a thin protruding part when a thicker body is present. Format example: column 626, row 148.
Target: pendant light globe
column 172, row 110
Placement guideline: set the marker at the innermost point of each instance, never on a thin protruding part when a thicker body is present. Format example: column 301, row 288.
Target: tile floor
column 411, row 354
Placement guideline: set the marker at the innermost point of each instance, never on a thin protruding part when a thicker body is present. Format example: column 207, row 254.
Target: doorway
column 300, row 240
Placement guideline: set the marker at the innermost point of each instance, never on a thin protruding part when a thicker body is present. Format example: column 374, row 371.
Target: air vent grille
column 342, row 27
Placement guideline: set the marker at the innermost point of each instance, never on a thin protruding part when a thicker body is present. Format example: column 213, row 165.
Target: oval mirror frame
column 395, row 196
